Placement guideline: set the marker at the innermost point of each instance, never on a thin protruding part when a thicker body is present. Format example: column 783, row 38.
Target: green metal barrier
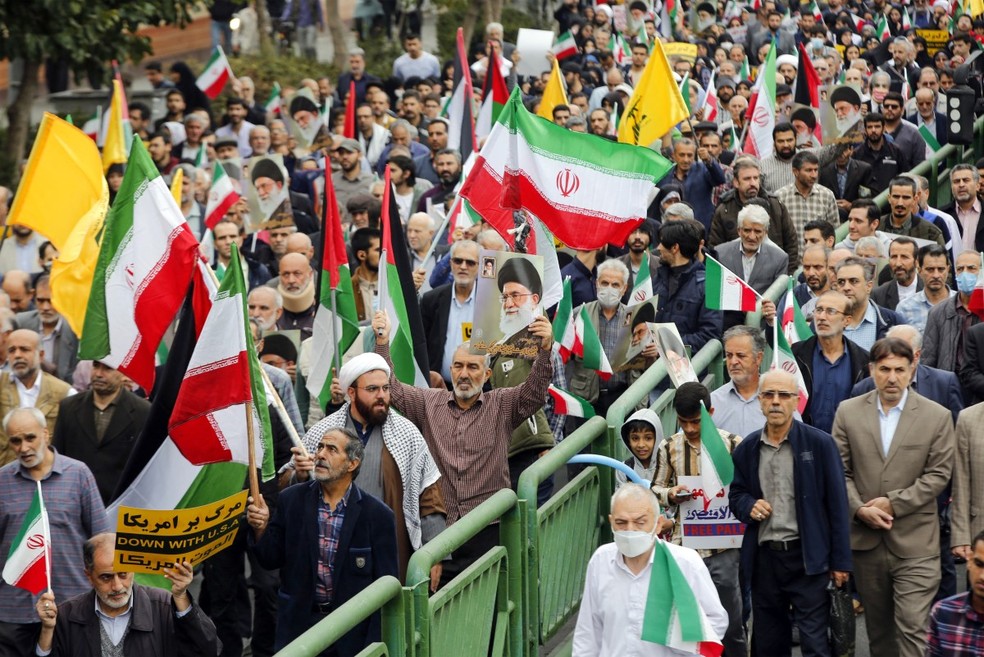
column 384, row 594
column 480, row 612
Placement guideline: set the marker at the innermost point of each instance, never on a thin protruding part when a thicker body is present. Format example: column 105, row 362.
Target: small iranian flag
column 216, row 74
column 587, row 346
column 642, row 289
column 746, row 70
column 906, row 19
column 28, row 565
column 274, row 102
column 725, row 290
column 673, row 615
column 620, row 49
column 565, row 46
column 710, row 104
column 882, row 31
column 566, row 403
column 221, row 196
column 783, row 359
column 817, row 14
column 976, row 302
column 563, row 327
column 858, row 22
column 717, row 470
column 794, row 325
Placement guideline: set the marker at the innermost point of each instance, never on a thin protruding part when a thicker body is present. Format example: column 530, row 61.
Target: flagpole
column 775, row 345
column 281, row 411
column 254, row 480
column 336, row 357
column 437, row 236
column 383, row 290
column 47, row 538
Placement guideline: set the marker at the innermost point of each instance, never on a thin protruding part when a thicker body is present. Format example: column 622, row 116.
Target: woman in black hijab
column 184, row 81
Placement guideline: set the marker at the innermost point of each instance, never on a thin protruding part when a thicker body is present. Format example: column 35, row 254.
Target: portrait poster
column 840, row 116
column 639, row 333
column 673, row 352
column 509, row 296
column 267, row 193
column 706, row 521
column 305, row 124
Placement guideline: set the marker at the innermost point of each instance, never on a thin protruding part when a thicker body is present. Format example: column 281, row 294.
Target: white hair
column 30, row 410
column 632, row 490
column 616, row 266
column 755, row 214
column 908, row 333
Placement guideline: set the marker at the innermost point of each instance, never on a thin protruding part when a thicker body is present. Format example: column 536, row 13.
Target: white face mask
column 609, row 297
column 632, row 543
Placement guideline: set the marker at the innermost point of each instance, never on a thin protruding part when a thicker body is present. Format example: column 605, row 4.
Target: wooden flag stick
column 254, row 480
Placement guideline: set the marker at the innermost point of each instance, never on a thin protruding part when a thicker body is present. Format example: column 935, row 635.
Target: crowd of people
column 872, row 485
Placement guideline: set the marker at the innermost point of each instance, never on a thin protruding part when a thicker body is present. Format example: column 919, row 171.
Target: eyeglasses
column 891, row 107
column 372, row 390
column 463, row 261
column 514, row 297
column 784, row 395
column 820, row 310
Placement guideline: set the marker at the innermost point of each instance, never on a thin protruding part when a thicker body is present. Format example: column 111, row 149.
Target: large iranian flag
column 336, row 323
column 221, row 196
column 673, row 615
column 216, row 74
column 762, row 110
column 588, row 191
column 725, row 290
column 145, row 263
column 28, row 564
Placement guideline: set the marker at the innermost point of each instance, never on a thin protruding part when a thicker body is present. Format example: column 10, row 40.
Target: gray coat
column 770, row 263
column 942, row 335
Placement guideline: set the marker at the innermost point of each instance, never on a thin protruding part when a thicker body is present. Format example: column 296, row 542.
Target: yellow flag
column 176, row 181
column 73, row 270
column 114, row 146
column 976, row 8
column 656, row 104
column 554, row 94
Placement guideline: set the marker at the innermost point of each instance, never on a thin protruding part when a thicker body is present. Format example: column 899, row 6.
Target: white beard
column 516, row 322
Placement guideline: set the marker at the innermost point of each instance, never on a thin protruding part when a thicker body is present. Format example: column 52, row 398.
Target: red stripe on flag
column 219, row 213
column 334, row 254
column 216, row 87
column 349, row 130
column 35, row 576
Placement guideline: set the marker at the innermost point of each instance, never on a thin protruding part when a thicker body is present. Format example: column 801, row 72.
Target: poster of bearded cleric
column 305, row 123
column 840, row 116
column 508, row 298
column 267, row 194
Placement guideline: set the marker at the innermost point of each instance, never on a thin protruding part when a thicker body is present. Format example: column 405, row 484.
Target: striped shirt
column 776, row 173
column 955, row 629
column 818, row 204
column 676, row 457
column 329, row 530
column 75, row 513
column 470, row 445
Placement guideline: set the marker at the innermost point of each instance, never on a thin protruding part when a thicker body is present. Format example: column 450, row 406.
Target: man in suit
column 971, row 367
column 968, row 482
column 965, row 183
column 905, row 283
column 100, row 426
column 848, row 179
column 926, row 115
column 318, row 574
column 897, row 448
column 796, row 522
column 447, row 310
column 58, row 342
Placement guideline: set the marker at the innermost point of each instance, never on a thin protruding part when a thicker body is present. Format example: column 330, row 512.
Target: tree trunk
column 338, row 33
column 19, row 114
column 495, row 11
column 471, row 17
column 263, row 27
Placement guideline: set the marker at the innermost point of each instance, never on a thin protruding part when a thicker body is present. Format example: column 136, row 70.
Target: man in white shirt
column 617, row 582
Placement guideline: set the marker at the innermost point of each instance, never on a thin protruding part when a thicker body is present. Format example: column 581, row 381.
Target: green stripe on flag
column 713, row 283
column 711, row 440
column 33, row 513
column 929, row 137
column 590, row 342
column 670, row 600
column 564, row 309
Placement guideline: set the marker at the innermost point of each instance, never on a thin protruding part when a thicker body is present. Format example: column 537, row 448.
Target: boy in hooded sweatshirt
column 642, row 434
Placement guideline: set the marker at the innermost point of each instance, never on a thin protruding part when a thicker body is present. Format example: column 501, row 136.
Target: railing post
column 511, row 536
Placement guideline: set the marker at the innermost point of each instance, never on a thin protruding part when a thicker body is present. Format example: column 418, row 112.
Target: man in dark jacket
column 797, row 537
column 159, row 623
column 748, row 189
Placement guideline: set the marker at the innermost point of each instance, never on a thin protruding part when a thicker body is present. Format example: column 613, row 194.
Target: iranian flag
column 588, row 191
column 495, row 95
column 221, row 196
column 642, row 288
column 216, row 74
column 566, row 403
column 817, row 14
column 336, row 324
column 94, row 126
column 565, row 46
column 710, row 103
column 906, row 19
column 273, row 103
column 762, row 110
column 587, row 346
column 794, row 325
column 724, row 290
column 28, row 564
column 563, row 326
column 673, row 615
column 783, row 359
column 881, row 30
column 145, row 263
column 976, row 302
column 717, row 470
column 222, row 386
column 620, row 49
column 392, row 298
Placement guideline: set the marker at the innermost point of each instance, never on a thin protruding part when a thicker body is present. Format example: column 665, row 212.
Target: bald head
column 17, row 285
column 295, row 273
column 300, row 243
column 779, row 380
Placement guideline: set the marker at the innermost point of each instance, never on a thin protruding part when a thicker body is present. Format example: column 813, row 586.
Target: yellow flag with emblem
column 656, row 104
column 555, row 93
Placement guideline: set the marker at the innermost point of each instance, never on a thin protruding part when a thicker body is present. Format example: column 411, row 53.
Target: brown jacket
column 53, row 390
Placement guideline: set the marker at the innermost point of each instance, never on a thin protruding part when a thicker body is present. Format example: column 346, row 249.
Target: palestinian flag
column 794, row 324
column 222, row 386
column 563, row 326
column 668, row 18
column 588, row 191
column 587, row 346
column 274, row 102
column 717, row 470
column 221, row 196
column 145, row 262
column 724, row 290
column 461, row 119
column 336, row 324
column 783, row 359
column 808, row 89
column 216, row 74
column 398, row 297
column 673, row 615
column 566, row 403
column 495, row 95
column 642, row 288
column 28, row 564
column 565, row 46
